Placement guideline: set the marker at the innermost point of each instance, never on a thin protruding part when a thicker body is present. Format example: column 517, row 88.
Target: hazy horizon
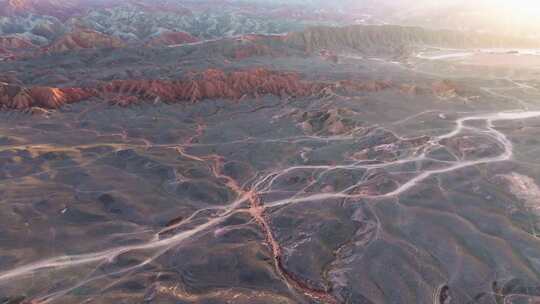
column 509, row 17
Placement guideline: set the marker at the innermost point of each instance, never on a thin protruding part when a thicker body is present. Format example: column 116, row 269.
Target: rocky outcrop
column 171, row 38
column 444, row 89
column 84, row 39
column 327, row 122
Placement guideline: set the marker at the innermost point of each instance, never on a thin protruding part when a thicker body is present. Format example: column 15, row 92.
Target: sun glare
column 525, row 8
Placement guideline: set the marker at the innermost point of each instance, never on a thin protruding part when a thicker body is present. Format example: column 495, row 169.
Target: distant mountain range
column 62, row 25
column 41, row 23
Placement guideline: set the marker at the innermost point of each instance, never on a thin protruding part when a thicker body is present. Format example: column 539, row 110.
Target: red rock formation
column 57, row 8
column 210, row 84
column 15, row 43
column 84, row 39
column 444, row 89
column 213, row 84
column 171, row 38
column 48, row 97
column 16, row 97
